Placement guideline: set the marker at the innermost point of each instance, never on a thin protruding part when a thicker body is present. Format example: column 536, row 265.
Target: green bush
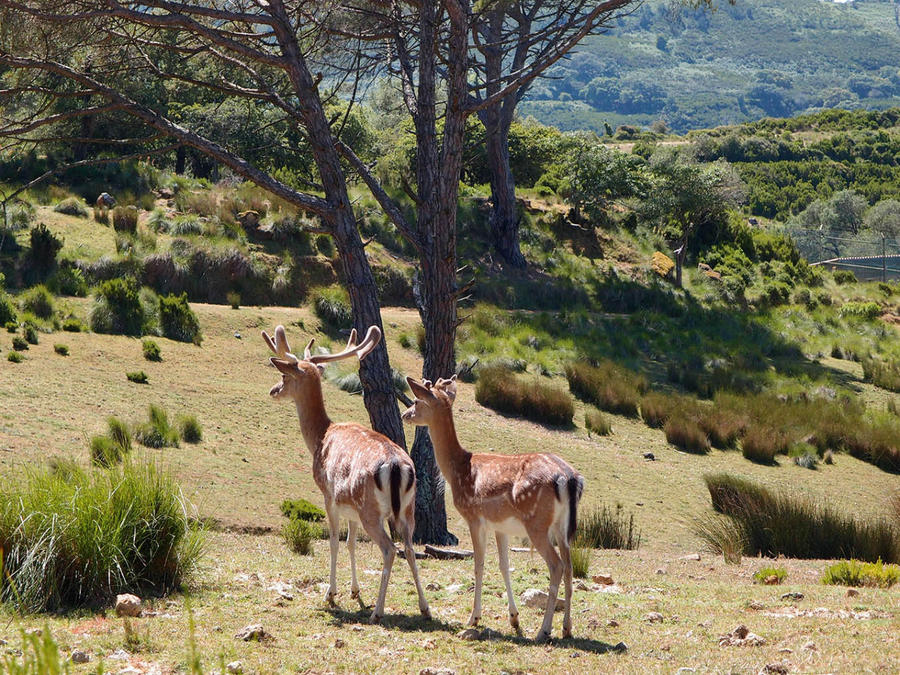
column 125, row 219
column 157, row 432
column 137, row 376
column 860, row 310
column 607, row 385
column 189, row 429
column 45, row 246
column 11, row 326
column 118, row 308
column 19, row 344
column 536, row 400
column 73, row 325
column 14, row 357
column 177, row 320
column 855, row 573
column 151, row 350
column 298, row 535
column 62, row 350
column 301, row 509
column 72, row 206
column 764, row 575
column 79, row 540
column 7, row 309
column 607, row 528
column 773, row 524
column 332, row 306
column 39, row 301
column 597, row 423
column 68, row 280
column 685, row 434
column 29, row 331
column 842, row 277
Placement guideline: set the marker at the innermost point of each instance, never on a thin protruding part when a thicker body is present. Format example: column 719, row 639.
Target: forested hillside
column 698, row 69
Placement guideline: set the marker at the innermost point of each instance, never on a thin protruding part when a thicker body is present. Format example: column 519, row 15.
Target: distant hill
column 696, row 69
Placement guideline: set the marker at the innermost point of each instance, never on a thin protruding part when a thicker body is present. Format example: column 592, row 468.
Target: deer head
column 431, row 399
column 297, row 375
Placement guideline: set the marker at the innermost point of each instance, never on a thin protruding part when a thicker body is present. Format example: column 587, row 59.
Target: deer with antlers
column 535, row 495
column 364, row 476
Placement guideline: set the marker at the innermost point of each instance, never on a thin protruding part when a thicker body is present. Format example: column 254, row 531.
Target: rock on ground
column 79, row 656
column 254, row 631
column 537, row 598
column 741, row 637
column 128, row 605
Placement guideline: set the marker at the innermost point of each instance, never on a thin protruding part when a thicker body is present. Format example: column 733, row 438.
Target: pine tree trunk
column 504, row 209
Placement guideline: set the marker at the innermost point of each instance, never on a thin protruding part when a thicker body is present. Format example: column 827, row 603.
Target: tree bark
column 505, row 219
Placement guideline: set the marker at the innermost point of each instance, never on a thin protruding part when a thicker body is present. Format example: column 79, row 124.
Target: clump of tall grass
column 761, row 443
column 61, row 349
column 156, row 432
column 177, row 320
column 686, row 434
column 298, row 535
column 39, row 301
column 151, row 350
column 189, row 429
column 125, row 219
column 607, row 528
column 597, row 423
column 774, row 524
column 80, row 540
column 536, row 400
column 581, row 560
column 72, row 206
column 332, row 306
column 136, row 376
column 766, row 574
column 114, row 446
column 607, row 385
column 656, row 407
column 14, row 357
column 855, row 573
column 883, row 374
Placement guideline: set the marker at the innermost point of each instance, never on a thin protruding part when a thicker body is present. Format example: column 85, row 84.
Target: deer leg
column 565, row 554
column 334, row 527
column 478, row 544
column 406, row 532
column 503, row 554
column 351, row 548
column 541, row 542
column 383, row 541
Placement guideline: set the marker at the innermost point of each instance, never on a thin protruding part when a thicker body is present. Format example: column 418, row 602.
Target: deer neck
column 314, row 421
column 451, row 457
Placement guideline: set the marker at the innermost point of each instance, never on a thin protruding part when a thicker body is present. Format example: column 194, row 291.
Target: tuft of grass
column 14, row 357
column 137, row 376
column 532, row 398
column 39, row 301
column 656, row 408
column 774, row 524
column 608, row 386
column 722, row 535
column 29, row 331
column 156, row 432
column 332, row 306
column 177, row 320
column 581, row 560
column 597, row 423
column 607, row 528
column 73, row 325
column 302, row 509
column 686, row 434
column 765, row 575
column 125, row 219
column 722, row 425
column 883, row 374
column 189, row 429
column 761, row 443
column 19, row 343
column 299, row 534
column 104, row 452
column 62, row 350
column 72, row 206
column 856, row 573
column 118, row 432
column 81, row 540
column 233, row 298
column 151, row 350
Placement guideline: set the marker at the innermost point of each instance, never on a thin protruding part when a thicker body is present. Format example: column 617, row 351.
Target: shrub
column 539, row 401
column 234, row 299
column 177, row 320
column 72, row 206
column 7, row 309
column 842, row 277
column 761, row 443
column 607, row 385
column 118, row 432
column 62, row 350
column 855, row 573
column 607, row 528
column 14, row 357
column 332, row 306
column 299, row 534
column 73, row 325
column 157, row 432
column 39, row 301
column 104, row 452
column 44, row 248
column 137, row 376
column 766, row 574
column 125, row 219
column 68, row 280
column 19, row 344
column 774, row 524
column 597, row 423
column 860, row 310
column 118, row 308
column 302, row 509
column 686, row 434
column 189, row 429
column 325, row 245
column 79, row 540
column 11, row 326
column 883, row 374
column 581, row 560
column 151, row 350
column 29, row 331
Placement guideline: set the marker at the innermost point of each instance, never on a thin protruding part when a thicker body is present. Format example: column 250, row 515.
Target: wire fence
column 869, row 256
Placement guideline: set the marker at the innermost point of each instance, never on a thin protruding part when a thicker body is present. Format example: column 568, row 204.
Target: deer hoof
column 473, row 621
column 329, row 598
column 514, row 621
column 375, row 618
column 425, row 612
column 542, row 637
column 354, row 594
column 567, row 633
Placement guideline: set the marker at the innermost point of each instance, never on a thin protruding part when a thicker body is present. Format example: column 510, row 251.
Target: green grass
column 15, row 357
column 608, row 386
column 189, row 429
column 151, row 350
column 607, row 528
column 597, row 423
column 156, row 432
column 764, row 575
column 299, row 534
column 855, row 573
column 137, row 376
column 61, row 349
column 530, row 397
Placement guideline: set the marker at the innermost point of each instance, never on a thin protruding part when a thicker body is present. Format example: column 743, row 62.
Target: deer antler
column 361, row 351
column 279, row 345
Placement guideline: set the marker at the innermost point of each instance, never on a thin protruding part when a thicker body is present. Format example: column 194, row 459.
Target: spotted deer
column 534, row 495
column 364, row 476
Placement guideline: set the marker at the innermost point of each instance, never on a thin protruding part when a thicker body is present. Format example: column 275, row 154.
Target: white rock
column 654, row 617
column 537, row 598
column 235, row 667
column 437, row 671
column 128, row 605
column 252, row 632
column 119, row 655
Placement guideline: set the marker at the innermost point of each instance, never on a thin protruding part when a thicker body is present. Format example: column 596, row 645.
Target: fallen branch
column 448, row 553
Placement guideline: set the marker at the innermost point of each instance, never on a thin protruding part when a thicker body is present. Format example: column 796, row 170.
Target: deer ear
column 286, row 367
column 448, row 387
column 419, row 390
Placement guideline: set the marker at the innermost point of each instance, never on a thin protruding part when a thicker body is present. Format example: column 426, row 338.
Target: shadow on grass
column 419, row 624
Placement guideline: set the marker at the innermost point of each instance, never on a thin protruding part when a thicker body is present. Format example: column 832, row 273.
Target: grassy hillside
column 739, row 63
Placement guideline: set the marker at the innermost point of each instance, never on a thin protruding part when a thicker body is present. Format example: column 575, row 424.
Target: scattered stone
column 785, row 650
column 810, row 646
column 757, row 605
column 79, row 656
column 536, row 598
column 575, row 655
column 793, row 595
column 469, row 634
column 824, row 612
column 653, row 617
column 339, row 644
column 454, row 588
column 579, row 586
column 685, row 671
column 128, row 605
column 130, row 670
column 741, row 637
column 662, row 264
column 690, row 556
column 356, row 628
column 433, row 586
column 852, row 593
column 217, row 629
column 649, row 456
column 612, row 623
column 660, row 570
column 119, row 655
column 428, row 645
column 237, row 335
column 252, row 632
column 775, row 669
column 612, row 588
column 235, row 668
column 437, row 671
column 603, row 578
